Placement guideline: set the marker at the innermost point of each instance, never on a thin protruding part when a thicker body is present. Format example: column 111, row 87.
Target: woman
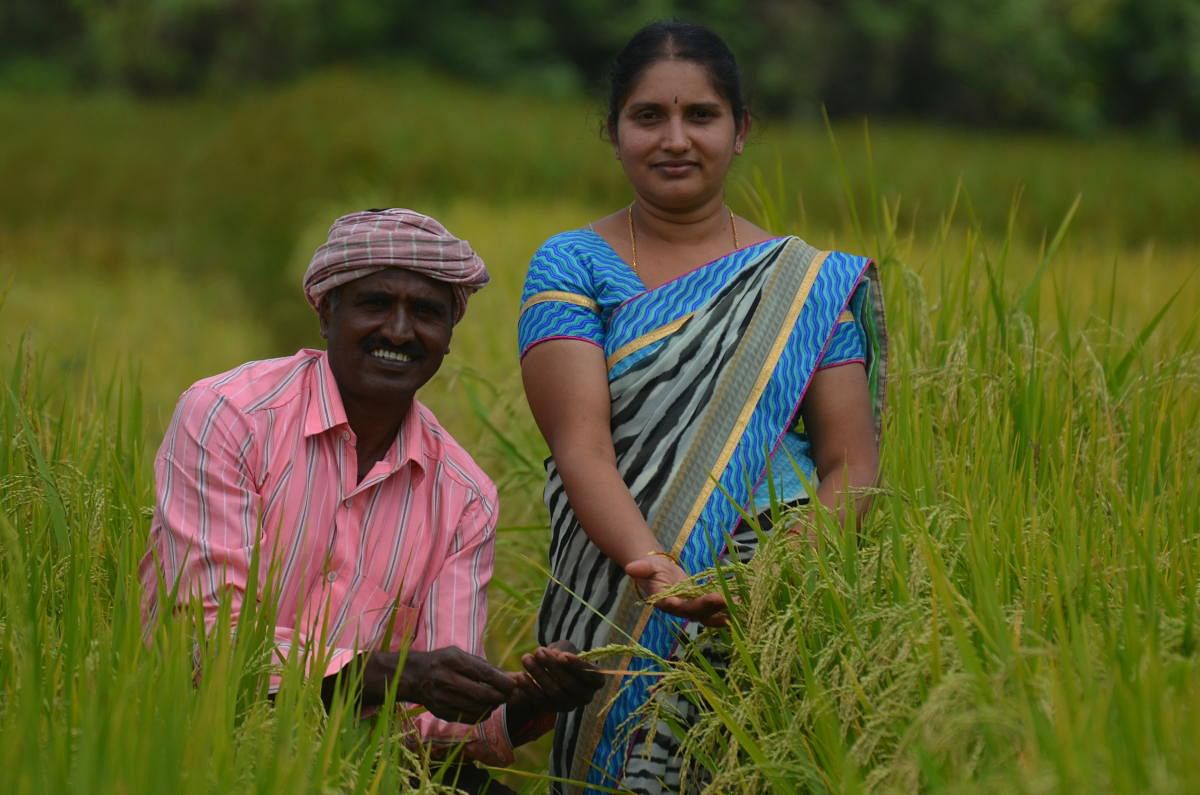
column 669, row 351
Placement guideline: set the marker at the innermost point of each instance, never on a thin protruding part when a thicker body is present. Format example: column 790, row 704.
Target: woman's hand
column 657, row 572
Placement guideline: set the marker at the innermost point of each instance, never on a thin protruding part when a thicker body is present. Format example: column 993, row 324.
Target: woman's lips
column 675, row 168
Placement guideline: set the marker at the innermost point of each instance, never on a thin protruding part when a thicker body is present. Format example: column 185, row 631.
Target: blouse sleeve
column 846, row 345
column 558, row 301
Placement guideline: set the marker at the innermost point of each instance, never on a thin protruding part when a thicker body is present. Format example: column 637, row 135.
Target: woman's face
column 676, row 136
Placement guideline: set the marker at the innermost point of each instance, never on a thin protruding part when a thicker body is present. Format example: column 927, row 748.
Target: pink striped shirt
column 267, row 445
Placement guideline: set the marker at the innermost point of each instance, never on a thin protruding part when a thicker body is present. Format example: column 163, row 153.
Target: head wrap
column 360, row 244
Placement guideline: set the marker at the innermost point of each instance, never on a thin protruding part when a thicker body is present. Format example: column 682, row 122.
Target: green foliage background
column 1077, row 65
column 1017, row 615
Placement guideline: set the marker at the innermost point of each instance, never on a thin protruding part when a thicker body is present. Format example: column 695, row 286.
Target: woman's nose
column 676, row 135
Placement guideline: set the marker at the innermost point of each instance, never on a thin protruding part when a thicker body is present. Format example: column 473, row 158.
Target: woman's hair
column 674, row 40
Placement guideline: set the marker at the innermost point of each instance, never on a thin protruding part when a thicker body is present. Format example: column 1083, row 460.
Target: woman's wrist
column 655, row 555
column 628, row 547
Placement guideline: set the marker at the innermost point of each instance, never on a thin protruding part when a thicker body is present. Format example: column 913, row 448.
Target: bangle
column 664, row 554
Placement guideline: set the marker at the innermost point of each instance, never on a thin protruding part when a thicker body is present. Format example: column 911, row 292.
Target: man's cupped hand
column 556, row 680
column 455, row 685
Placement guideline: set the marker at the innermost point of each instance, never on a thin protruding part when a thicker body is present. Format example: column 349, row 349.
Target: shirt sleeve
column 205, row 512
column 559, row 300
column 206, row 517
column 846, row 346
column 455, row 614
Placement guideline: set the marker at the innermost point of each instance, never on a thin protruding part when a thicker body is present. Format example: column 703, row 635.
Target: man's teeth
column 391, row 356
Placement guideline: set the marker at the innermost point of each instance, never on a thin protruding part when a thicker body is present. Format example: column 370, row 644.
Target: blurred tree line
column 1076, row 65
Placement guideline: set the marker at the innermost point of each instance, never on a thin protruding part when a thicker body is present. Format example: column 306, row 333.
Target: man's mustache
column 411, row 349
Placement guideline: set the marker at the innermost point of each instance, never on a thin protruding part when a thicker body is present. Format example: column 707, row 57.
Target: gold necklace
column 633, row 238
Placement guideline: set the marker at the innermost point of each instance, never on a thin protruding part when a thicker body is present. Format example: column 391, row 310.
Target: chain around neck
column 633, row 237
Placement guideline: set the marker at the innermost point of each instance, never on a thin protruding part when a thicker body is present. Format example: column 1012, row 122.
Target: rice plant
column 1017, row 613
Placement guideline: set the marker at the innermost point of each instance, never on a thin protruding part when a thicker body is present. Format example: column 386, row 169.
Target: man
column 376, row 526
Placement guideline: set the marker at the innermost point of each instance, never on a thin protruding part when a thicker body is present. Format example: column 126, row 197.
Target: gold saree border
column 562, row 297
column 649, row 338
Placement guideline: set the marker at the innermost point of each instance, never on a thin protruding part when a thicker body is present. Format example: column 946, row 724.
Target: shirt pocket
column 384, row 622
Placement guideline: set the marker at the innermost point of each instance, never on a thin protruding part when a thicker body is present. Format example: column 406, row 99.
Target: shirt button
column 331, row 576
column 345, row 436
column 346, row 503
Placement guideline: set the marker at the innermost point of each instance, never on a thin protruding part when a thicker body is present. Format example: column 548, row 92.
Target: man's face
column 387, row 334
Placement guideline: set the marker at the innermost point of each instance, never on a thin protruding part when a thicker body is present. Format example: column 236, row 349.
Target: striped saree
column 706, row 375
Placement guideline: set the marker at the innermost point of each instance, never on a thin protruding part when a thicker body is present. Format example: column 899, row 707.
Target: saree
column 706, row 376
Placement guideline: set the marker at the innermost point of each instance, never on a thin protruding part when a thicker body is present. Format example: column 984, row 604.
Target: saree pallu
column 706, row 375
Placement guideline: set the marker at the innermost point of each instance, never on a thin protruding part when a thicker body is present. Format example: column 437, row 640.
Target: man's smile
column 392, row 356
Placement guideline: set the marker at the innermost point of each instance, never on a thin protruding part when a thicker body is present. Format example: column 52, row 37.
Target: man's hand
column 449, row 682
column 554, row 680
column 657, row 572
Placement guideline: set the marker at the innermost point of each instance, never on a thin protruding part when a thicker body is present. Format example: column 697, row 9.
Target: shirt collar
column 326, row 412
column 325, row 409
column 411, row 446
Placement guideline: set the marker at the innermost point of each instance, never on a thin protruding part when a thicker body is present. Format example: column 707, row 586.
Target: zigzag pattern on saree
column 673, row 299
column 825, row 300
column 580, row 245
column 567, row 320
column 580, row 262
